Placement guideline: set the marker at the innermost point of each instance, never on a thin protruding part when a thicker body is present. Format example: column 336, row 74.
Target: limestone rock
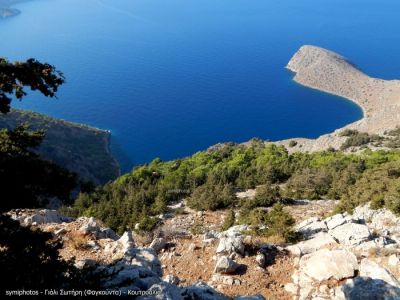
column 172, row 279
column 311, row 226
column 337, row 220
column 351, row 233
column 324, row 264
column 201, row 291
column 320, row 240
column 371, row 269
column 260, row 259
column 365, row 288
column 227, row 245
column 158, row 243
column 225, row 265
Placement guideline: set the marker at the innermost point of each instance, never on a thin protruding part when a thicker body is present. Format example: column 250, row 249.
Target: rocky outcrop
column 342, row 247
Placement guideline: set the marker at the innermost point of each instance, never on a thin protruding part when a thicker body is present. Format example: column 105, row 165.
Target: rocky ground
column 341, row 257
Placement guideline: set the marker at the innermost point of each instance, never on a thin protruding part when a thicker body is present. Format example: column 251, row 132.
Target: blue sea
column 171, row 77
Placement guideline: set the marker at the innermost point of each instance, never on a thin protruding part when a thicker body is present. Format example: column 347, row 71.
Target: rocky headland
column 330, row 72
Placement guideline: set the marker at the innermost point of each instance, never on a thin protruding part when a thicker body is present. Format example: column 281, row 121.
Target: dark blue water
column 173, row 77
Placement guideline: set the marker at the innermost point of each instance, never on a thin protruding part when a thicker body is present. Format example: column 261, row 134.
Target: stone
column 158, row 244
column 43, row 216
column 291, row 288
column 255, row 297
column 172, row 279
column 351, row 234
column 80, row 264
column 393, row 260
column 320, row 240
column 163, row 291
column 226, row 280
column 60, row 231
column 227, row 245
column 311, row 226
column 89, row 225
column 225, row 265
column 201, row 290
column 337, row 220
column 146, row 258
column 260, row 259
column 371, row 269
column 324, row 264
column 365, row 288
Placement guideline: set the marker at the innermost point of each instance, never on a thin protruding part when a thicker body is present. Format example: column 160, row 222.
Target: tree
column 42, row 77
column 26, row 180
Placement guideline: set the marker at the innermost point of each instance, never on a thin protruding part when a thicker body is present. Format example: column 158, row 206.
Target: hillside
column 330, row 72
column 81, row 149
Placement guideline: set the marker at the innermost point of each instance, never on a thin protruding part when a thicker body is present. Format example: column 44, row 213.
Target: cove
column 170, row 78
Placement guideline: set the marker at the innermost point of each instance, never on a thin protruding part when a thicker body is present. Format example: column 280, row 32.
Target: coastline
column 329, row 72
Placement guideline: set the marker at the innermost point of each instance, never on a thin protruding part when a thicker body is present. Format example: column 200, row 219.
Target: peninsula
column 330, row 72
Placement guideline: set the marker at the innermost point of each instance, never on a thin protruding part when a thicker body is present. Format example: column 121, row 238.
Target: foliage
column 229, row 220
column 356, row 139
column 277, row 222
column 26, row 180
column 208, row 179
column 33, row 74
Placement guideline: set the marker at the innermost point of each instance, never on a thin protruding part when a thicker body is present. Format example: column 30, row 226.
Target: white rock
column 260, row 259
column 324, row 264
column 351, row 233
column 371, row 269
column 225, row 265
column 291, row 288
column 337, row 220
column 365, row 288
column 311, row 226
column 158, row 243
column 227, row 245
column 393, row 260
column 320, row 240
column 172, row 279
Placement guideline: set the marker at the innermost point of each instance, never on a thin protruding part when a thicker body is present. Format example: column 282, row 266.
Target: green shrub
column 292, row 143
column 229, row 220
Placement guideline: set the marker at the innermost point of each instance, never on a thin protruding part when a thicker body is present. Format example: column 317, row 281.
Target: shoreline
column 329, row 72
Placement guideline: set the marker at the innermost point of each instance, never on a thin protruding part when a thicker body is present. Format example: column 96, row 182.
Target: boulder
column 371, row 269
column 337, row 220
column 172, row 279
column 351, row 233
column 365, row 288
column 43, row 216
column 158, row 244
column 228, row 245
column 225, row 265
column 324, row 264
column 319, row 241
column 393, row 260
column 201, row 291
column 224, row 279
column 260, row 259
column 163, row 291
column 311, row 226
column 146, row 258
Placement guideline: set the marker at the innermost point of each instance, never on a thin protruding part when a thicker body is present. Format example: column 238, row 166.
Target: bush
column 356, row 139
column 229, row 220
column 212, row 197
column 292, row 143
column 266, row 195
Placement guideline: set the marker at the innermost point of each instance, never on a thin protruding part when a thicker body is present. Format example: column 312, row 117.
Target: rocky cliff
column 79, row 148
